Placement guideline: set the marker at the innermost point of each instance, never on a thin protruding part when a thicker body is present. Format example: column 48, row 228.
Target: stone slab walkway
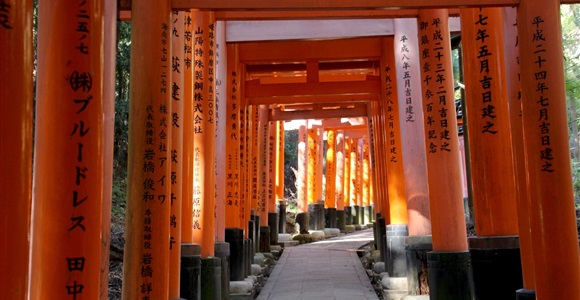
column 328, row 269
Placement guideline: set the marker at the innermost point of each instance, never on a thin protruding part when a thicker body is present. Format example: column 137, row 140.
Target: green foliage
column 290, row 167
column 119, row 197
column 122, row 98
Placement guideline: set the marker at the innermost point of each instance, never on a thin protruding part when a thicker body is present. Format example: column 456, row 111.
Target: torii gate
column 73, row 136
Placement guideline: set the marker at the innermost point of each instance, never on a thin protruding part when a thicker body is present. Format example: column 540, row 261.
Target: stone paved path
column 328, row 269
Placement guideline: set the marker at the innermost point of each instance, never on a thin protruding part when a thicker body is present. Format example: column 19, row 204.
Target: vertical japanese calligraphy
column 68, row 153
column 494, row 189
column 204, row 131
column 329, row 200
column 340, row 167
column 443, row 163
column 395, row 170
column 233, row 143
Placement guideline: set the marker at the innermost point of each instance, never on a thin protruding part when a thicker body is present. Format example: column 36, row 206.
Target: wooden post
column 280, row 161
column 440, row 119
column 244, row 201
column 319, row 161
column 340, row 164
column 177, row 85
column 407, row 64
column 221, row 101
column 187, row 157
column 395, row 169
column 353, row 172
column 359, row 172
column 16, row 104
column 272, row 163
column 68, row 162
column 255, row 159
column 302, row 180
column 263, row 137
column 204, row 132
column 553, row 226
column 346, row 181
column 443, row 162
column 514, row 94
column 365, row 169
column 312, row 165
column 146, row 260
column 109, row 59
column 330, row 195
column 494, row 189
column 233, row 158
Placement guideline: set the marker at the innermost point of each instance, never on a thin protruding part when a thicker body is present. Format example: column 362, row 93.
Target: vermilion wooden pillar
column 406, row 51
column 353, row 171
column 280, row 161
column 68, row 162
column 494, row 188
column 263, row 136
column 244, row 201
column 394, row 154
column 302, row 180
column 340, row 163
column 273, row 131
column 16, row 104
column 204, row 132
column 555, row 236
column 109, row 59
column 360, row 171
column 254, row 165
column 319, row 161
column 312, row 165
column 233, row 159
column 176, row 161
column 443, row 164
column 330, row 195
column 512, row 72
column 221, row 101
column 146, row 260
column 346, row 181
column 366, row 178
column 187, row 157
column 441, row 133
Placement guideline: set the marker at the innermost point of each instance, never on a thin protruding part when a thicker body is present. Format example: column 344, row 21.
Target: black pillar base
column 396, row 259
column 368, row 215
column 313, row 211
column 347, row 215
column 416, row 248
column 303, row 220
column 340, row 219
column 450, row 275
column 190, row 282
column 281, row 208
column 523, row 294
column 273, row 224
column 222, row 251
column 330, row 218
column 235, row 237
column 264, row 239
column 321, row 215
column 355, row 215
column 382, row 238
column 497, row 268
column 248, row 257
column 211, row 275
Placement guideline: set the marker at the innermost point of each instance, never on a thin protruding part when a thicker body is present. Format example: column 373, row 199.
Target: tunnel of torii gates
column 213, row 84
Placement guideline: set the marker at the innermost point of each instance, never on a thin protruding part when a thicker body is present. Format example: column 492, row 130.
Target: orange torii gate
column 549, row 252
